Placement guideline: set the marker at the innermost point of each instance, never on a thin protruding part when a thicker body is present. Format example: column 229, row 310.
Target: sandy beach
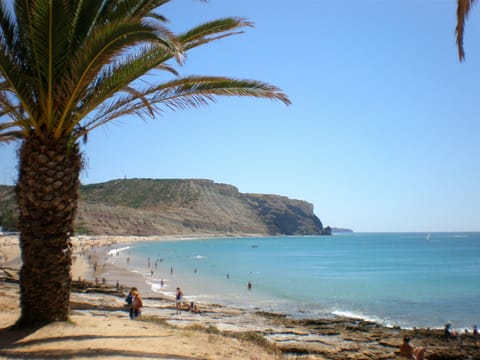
column 99, row 325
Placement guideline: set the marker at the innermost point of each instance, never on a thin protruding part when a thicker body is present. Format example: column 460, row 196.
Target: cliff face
column 282, row 215
column 187, row 207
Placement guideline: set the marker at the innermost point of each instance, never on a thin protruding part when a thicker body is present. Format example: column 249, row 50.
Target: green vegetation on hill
column 182, row 207
column 138, row 193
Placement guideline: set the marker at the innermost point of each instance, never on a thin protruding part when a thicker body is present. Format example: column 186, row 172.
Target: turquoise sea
column 405, row 279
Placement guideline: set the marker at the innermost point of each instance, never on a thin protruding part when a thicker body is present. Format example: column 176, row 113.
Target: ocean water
column 404, row 279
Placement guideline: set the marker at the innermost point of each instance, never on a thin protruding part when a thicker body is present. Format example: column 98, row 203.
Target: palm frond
column 16, row 92
column 7, row 24
column 152, row 59
column 29, row 51
column 182, row 93
column 138, row 95
column 69, row 66
column 9, row 131
column 101, row 50
column 212, row 31
column 159, row 17
column 193, row 91
column 463, row 10
column 131, row 67
column 11, row 136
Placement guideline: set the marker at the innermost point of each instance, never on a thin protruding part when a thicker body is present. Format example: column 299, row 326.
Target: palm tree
column 66, row 68
column 463, row 9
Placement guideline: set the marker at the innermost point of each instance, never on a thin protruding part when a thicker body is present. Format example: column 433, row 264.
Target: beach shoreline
column 334, row 337
column 309, row 277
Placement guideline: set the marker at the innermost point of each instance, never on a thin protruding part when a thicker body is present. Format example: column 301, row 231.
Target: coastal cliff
column 190, row 207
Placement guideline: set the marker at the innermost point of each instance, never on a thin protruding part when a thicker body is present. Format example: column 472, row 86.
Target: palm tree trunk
column 47, row 194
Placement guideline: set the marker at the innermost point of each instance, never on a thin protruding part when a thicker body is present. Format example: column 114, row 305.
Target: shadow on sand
column 13, row 345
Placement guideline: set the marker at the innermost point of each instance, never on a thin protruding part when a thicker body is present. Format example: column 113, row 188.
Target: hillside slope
column 184, row 207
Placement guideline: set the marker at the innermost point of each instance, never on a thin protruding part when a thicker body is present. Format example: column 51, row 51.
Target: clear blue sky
column 383, row 133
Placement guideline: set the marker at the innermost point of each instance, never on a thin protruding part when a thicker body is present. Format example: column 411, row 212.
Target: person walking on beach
column 137, row 304
column 129, row 301
column 178, row 300
column 449, row 333
column 134, row 302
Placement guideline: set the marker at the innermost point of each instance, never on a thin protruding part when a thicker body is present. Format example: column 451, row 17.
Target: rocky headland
column 177, row 207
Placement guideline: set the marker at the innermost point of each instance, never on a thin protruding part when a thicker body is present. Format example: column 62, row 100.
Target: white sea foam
column 158, row 288
column 353, row 315
column 117, row 251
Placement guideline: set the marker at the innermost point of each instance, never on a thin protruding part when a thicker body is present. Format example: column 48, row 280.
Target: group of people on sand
column 418, row 353
column 135, row 304
column 134, row 301
column 451, row 334
column 180, row 304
